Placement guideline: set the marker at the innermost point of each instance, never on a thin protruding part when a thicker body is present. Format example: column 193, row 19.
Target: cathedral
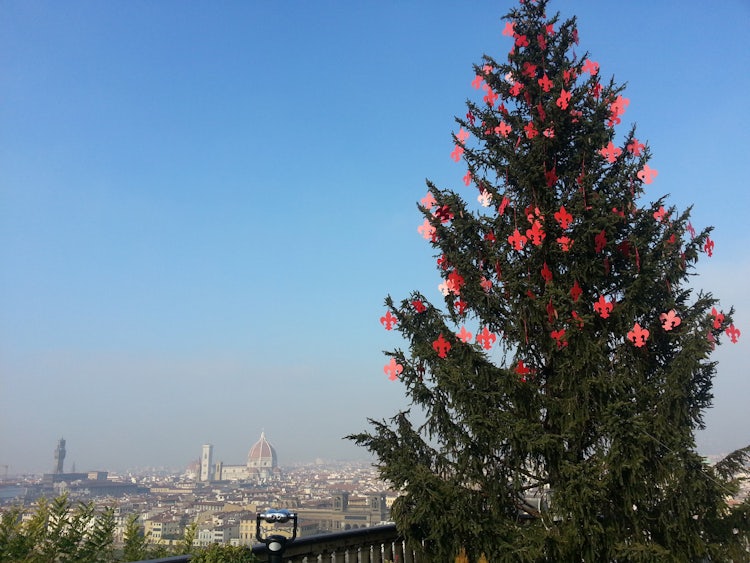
column 261, row 466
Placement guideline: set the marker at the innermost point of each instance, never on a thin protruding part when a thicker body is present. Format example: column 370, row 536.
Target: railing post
column 377, row 553
column 398, row 551
column 364, row 553
column 388, row 552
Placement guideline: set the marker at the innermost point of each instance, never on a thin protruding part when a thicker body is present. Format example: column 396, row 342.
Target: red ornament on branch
column 545, row 83
column 591, row 67
column 670, row 320
column 444, row 213
column 563, row 218
column 460, row 306
column 635, row 147
column 564, row 99
column 638, row 335
column 718, row 318
column 647, row 174
column 603, row 307
column 388, row 320
column 733, row 333
column 536, row 233
column 486, row 338
column 523, row 370
column 565, row 243
column 458, row 150
column 576, row 291
column 464, row 335
column 600, row 241
column 708, row 247
column 428, row 201
column 427, row 230
column 441, row 346
column 558, row 336
column 546, row 273
column 517, row 240
column 611, row 152
column 393, row 369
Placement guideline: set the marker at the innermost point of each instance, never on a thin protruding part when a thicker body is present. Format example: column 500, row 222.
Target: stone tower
column 59, row 456
column 207, row 460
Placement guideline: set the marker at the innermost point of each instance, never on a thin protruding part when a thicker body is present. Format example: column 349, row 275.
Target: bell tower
column 59, row 457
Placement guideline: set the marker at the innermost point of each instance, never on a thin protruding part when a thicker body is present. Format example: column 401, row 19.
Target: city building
column 261, row 466
column 344, row 513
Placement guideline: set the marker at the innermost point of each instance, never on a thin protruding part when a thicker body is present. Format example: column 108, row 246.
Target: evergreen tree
column 563, row 428
column 57, row 532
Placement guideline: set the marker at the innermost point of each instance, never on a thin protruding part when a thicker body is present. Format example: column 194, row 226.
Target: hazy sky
column 203, row 205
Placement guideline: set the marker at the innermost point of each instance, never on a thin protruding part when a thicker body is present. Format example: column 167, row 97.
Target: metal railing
column 379, row 544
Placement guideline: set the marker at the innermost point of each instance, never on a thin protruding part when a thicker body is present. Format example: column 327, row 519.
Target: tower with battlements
column 59, row 457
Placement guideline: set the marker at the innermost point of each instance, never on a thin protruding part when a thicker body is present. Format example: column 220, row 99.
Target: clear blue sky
column 203, row 205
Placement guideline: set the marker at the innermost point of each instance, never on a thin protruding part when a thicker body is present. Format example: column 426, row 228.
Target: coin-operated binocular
column 275, row 543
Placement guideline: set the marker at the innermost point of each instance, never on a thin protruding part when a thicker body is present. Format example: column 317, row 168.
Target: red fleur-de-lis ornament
column 603, row 307
column 708, row 247
column 486, row 338
column 592, row 67
column 517, row 240
column 418, row 306
column 523, row 370
column 660, row 214
column 565, row 243
column 635, row 147
column 647, row 174
column 670, row 320
column 441, row 346
column 733, row 333
column 455, row 282
column 564, row 99
column 464, row 335
column 456, row 153
column 393, row 369
column 563, row 218
column 460, row 306
column 427, row 230
column 502, row 129
column 536, row 233
column 545, row 83
column 428, row 201
column 718, row 318
column 388, row 320
column 611, row 152
column 638, row 335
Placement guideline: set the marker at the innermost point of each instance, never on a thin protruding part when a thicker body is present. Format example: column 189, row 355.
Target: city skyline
column 202, row 210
